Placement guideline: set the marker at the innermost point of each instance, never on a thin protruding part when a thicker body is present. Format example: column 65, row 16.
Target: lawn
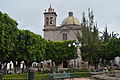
column 41, row 76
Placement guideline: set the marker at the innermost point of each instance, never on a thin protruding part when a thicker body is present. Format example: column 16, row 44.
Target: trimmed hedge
column 41, row 76
column 21, row 76
column 24, row 76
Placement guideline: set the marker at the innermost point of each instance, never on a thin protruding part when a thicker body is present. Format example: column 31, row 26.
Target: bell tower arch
column 49, row 23
column 50, row 18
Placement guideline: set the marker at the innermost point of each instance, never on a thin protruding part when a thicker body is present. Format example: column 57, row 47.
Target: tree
column 89, row 39
column 58, row 51
column 110, row 50
column 109, row 47
column 8, row 33
column 19, row 45
column 8, row 29
column 30, row 47
column 105, row 35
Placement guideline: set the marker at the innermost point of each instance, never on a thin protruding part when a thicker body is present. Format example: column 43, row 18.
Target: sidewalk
column 80, row 79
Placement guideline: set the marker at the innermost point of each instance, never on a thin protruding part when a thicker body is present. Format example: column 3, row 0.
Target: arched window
column 47, row 21
column 64, row 36
column 51, row 20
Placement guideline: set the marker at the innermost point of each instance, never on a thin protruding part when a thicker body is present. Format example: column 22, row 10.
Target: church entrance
column 65, row 64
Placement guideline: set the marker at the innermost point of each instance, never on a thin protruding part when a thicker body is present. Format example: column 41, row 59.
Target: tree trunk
column 28, row 65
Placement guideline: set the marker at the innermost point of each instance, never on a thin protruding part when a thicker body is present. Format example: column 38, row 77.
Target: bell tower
column 49, row 24
column 50, row 19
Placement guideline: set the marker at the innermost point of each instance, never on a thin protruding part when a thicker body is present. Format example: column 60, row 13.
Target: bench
column 62, row 76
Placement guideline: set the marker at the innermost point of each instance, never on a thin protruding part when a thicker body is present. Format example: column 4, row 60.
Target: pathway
column 80, row 79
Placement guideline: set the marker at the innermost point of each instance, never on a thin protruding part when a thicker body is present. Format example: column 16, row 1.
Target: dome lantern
column 70, row 14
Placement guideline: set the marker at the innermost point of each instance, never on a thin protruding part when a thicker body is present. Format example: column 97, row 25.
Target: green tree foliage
column 19, row 45
column 58, row 51
column 8, row 32
column 24, row 45
column 105, row 35
column 110, row 47
column 110, row 50
column 89, row 39
column 30, row 46
column 94, row 48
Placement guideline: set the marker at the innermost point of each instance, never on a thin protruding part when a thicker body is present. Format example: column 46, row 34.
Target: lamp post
column 75, row 44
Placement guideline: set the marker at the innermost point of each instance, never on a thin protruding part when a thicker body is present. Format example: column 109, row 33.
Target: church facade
column 66, row 31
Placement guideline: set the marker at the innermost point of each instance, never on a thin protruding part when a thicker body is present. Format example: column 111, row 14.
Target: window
column 47, row 21
column 51, row 21
column 64, row 36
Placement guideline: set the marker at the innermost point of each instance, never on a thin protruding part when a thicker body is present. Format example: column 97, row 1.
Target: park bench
column 62, row 76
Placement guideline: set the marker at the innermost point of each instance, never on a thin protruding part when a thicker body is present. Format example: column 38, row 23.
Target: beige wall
column 49, row 35
column 57, row 35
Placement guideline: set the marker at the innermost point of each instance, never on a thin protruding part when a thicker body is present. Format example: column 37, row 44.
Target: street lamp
column 75, row 44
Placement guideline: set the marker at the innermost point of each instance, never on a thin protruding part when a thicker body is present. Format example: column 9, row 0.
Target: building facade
column 66, row 31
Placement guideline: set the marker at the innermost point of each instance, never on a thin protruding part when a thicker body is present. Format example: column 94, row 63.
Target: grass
column 41, row 76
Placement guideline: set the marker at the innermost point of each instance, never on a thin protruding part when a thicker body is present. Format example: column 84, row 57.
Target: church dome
column 70, row 20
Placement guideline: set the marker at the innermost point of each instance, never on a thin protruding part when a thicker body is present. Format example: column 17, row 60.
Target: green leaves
column 95, row 48
column 8, row 28
column 58, row 51
column 31, row 46
column 110, row 49
column 19, row 45
column 89, row 39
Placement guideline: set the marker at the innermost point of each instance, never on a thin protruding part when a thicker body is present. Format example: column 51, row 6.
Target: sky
column 29, row 13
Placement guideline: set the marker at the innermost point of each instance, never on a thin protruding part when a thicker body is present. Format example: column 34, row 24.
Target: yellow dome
column 70, row 20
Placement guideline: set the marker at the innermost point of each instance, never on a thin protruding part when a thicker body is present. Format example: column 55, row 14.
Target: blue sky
column 29, row 13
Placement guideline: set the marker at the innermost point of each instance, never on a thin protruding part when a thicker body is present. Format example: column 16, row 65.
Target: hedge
column 39, row 76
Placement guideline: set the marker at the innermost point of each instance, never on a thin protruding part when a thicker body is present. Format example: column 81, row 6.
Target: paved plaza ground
column 80, row 79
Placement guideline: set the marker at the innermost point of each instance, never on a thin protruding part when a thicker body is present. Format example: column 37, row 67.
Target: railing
column 62, row 76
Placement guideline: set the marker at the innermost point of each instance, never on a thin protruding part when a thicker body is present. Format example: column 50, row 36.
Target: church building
column 66, row 31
